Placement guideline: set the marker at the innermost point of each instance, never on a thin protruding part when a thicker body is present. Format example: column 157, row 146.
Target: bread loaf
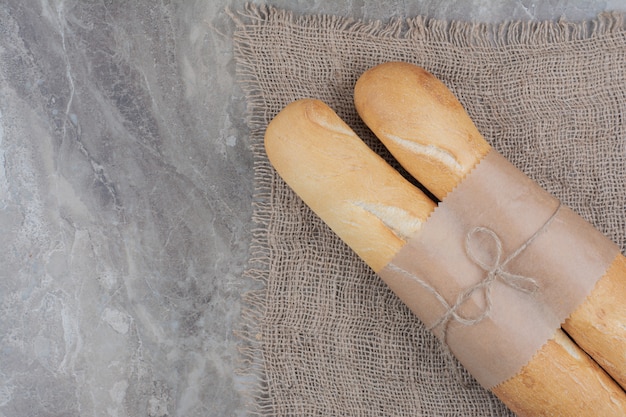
column 431, row 121
column 362, row 198
column 599, row 324
column 375, row 210
column 535, row 392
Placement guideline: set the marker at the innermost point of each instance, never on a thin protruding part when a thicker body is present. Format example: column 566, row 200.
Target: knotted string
column 495, row 270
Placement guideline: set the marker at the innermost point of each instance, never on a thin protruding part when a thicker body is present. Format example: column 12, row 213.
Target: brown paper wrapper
column 497, row 268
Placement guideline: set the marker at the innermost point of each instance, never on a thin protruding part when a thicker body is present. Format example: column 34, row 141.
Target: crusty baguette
column 421, row 123
column 419, row 119
column 374, row 210
column 599, row 324
column 534, row 392
column 362, row 198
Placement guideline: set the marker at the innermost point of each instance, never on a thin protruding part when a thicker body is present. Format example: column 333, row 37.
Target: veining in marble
column 125, row 199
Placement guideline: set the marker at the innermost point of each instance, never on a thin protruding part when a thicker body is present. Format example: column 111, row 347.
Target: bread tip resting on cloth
column 362, row 198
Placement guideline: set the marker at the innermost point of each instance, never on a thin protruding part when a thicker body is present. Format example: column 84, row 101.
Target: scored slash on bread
column 429, row 151
column 402, row 223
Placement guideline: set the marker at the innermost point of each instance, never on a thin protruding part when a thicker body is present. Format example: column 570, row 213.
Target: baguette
column 434, row 139
column 358, row 195
column 375, row 210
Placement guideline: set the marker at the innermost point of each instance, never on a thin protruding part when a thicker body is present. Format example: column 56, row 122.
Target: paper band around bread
column 497, row 268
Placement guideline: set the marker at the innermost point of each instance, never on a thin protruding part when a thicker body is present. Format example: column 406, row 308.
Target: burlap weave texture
column 324, row 336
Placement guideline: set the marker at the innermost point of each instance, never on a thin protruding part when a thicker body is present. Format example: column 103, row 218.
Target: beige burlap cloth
column 324, row 336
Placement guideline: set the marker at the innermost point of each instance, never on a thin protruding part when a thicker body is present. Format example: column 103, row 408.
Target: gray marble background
column 125, row 198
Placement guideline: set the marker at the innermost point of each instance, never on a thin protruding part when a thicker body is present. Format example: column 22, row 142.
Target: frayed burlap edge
column 510, row 34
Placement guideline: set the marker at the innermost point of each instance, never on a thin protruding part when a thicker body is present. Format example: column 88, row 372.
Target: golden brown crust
column 562, row 381
column 599, row 324
column 421, row 122
column 361, row 197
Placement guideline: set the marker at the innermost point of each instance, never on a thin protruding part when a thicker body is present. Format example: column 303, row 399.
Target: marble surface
column 125, row 198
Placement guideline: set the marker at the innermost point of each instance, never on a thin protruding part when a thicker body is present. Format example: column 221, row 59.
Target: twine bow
column 495, row 270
